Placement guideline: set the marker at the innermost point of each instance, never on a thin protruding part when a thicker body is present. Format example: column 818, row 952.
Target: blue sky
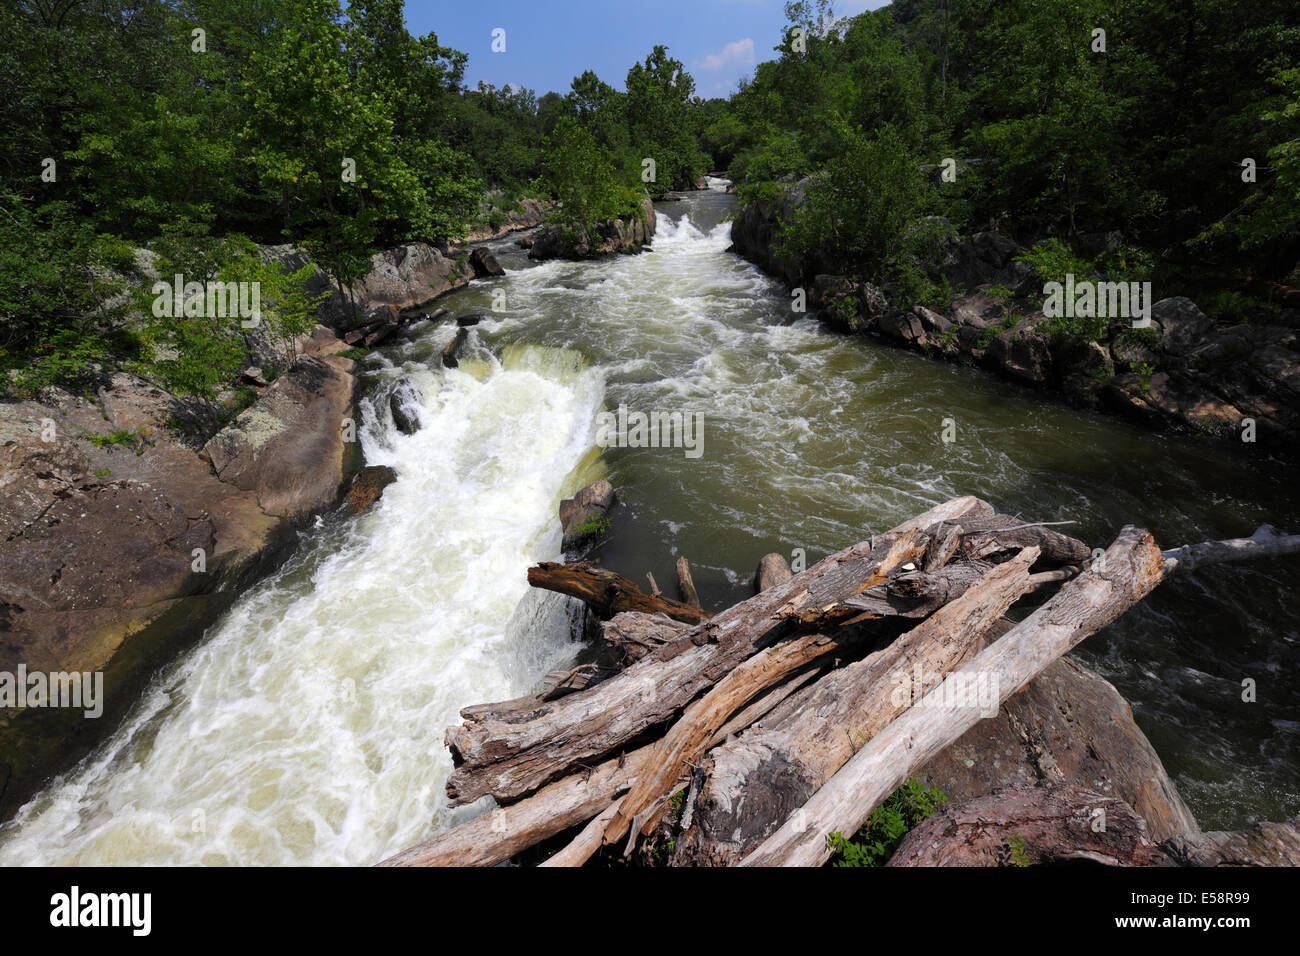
column 549, row 42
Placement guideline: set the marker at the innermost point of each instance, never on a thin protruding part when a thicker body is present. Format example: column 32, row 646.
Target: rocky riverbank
column 627, row 235
column 1238, row 382
column 122, row 538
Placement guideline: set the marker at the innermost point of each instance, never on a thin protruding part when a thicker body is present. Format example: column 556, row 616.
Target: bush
column 878, row 838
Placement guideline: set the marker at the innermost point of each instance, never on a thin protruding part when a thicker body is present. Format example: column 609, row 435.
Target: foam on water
column 307, row 727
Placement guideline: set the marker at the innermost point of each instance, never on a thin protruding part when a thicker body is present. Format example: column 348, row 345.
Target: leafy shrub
column 878, row 838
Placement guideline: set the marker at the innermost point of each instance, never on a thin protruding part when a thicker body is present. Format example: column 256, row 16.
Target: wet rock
column 468, row 321
column 368, row 487
column 451, row 354
column 581, row 516
column 1067, row 726
column 1263, row 844
column 485, row 264
column 404, row 404
column 772, row 570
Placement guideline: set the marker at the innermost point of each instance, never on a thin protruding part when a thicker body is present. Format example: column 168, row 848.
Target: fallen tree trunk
column 1129, row 569
column 608, row 593
column 685, row 742
column 752, row 784
column 497, row 835
column 511, row 760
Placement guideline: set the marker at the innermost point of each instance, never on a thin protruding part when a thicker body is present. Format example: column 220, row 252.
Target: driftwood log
column 794, row 713
column 608, row 593
column 512, row 759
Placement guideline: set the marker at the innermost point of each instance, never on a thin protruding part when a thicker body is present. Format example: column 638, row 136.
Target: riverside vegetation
column 924, row 170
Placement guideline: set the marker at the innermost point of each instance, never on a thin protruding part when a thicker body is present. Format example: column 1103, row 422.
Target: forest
column 1155, row 140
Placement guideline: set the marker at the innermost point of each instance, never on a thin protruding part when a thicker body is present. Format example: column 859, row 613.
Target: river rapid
column 306, row 728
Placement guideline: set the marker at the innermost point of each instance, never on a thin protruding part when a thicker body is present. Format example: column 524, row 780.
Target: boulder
column 1182, row 325
column 903, row 326
column 772, row 570
column 404, row 403
column 408, row 277
column 585, row 509
column 1022, row 352
column 932, row 323
column 1031, row 826
column 368, row 486
column 1067, row 726
column 290, row 448
column 485, row 264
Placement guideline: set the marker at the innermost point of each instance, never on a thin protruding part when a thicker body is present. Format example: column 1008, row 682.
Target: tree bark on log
column 607, row 593
column 752, row 784
column 685, row 742
column 498, row 835
column 512, row 760
column 1127, row 572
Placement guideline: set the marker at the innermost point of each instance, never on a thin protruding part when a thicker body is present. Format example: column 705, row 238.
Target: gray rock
column 1182, row 324
column 404, row 403
column 485, row 264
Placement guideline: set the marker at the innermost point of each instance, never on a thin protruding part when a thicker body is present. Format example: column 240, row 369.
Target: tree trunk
column 607, row 593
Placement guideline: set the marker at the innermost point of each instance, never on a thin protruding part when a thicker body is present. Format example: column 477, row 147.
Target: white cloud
column 741, row 52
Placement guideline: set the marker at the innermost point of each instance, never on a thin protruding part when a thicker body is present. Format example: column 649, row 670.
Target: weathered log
column 635, row 634
column 496, row 836
column 1266, row 542
column 1129, row 569
column 772, row 570
column 512, row 760
column 607, row 593
column 1032, row 826
column 686, row 584
column 685, row 741
column 752, row 784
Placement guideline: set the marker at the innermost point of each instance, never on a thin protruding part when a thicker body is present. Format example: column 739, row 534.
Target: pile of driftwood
column 754, row 733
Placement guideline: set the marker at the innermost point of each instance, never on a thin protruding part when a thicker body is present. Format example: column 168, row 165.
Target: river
column 306, row 728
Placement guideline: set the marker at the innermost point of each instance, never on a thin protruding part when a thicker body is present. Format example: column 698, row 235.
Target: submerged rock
column 404, row 403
